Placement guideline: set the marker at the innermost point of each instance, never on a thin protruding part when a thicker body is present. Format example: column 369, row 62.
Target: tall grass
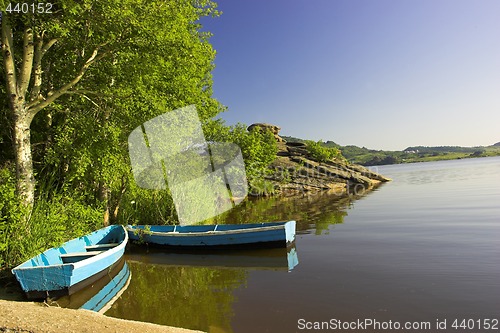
column 53, row 220
column 144, row 206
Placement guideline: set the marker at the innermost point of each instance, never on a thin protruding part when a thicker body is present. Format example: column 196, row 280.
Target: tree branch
column 88, row 92
column 8, row 56
column 40, row 50
column 27, row 63
column 49, row 44
column 37, row 105
column 84, row 96
column 37, row 66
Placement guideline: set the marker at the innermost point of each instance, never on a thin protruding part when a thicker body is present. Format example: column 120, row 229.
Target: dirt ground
column 18, row 315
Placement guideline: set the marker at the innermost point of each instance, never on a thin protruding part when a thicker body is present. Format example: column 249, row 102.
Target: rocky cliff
column 296, row 172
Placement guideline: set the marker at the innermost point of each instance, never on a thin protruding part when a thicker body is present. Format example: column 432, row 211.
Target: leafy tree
column 111, row 64
column 74, row 85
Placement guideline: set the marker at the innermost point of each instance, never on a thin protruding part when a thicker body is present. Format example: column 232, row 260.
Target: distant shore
column 371, row 157
column 448, row 157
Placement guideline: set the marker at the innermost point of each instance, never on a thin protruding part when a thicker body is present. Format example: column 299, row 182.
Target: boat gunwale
column 210, row 233
column 121, row 246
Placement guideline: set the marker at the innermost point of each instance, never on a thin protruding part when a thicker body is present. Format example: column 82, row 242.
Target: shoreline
column 20, row 315
column 23, row 316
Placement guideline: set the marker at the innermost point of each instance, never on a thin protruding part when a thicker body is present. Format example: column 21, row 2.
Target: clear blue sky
column 375, row 73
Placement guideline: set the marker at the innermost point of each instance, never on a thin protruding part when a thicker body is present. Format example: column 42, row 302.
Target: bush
column 320, row 153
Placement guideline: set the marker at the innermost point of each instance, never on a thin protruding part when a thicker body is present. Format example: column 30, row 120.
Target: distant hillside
column 365, row 156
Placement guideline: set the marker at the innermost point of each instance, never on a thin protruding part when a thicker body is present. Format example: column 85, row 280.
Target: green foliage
column 261, row 187
column 152, row 58
column 258, row 148
column 350, row 152
column 11, row 214
column 141, row 232
column 52, row 221
column 6, row 151
column 320, row 153
column 144, row 206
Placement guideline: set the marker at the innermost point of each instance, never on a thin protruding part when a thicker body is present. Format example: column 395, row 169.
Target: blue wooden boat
column 75, row 264
column 272, row 234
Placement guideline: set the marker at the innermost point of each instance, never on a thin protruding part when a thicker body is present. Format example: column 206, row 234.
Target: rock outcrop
column 267, row 127
column 296, row 172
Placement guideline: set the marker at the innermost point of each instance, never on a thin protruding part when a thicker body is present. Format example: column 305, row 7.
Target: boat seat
column 101, row 246
column 77, row 256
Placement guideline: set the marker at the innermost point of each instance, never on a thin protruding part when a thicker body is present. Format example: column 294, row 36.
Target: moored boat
column 271, row 234
column 72, row 266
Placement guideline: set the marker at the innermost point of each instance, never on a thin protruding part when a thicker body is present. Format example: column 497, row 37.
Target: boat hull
column 273, row 234
column 47, row 275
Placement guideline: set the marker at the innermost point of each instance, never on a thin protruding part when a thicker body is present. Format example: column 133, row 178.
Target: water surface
column 423, row 247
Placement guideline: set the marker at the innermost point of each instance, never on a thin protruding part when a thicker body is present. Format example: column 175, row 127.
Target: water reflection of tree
column 313, row 212
column 328, row 219
column 189, row 297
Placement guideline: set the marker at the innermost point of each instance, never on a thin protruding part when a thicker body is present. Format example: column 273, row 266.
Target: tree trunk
column 17, row 86
column 104, row 197
column 25, row 184
column 17, row 77
column 119, row 201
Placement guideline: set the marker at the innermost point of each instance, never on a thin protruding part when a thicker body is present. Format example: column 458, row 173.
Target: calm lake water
column 422, row 248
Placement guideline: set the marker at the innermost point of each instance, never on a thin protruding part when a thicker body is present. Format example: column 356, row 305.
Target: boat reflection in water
column 170, row 288
column 258, row 259
column 101, row 294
